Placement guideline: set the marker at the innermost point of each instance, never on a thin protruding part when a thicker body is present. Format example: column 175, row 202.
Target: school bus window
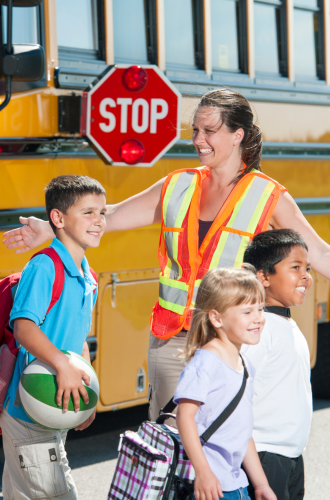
column 180, row 37
column 26, row 24
column 225, row 35
column 129, row 31
column 77, row 27
column 308, row 46
column 268, row 37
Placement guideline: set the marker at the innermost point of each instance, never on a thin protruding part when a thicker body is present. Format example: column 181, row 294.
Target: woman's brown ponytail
column 252, row 148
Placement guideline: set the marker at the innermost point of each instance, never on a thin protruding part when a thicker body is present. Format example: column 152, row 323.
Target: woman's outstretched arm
column 287, row 215
column 140, row 210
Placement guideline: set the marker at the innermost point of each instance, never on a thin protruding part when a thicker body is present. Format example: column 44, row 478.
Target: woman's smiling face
column 213, row 141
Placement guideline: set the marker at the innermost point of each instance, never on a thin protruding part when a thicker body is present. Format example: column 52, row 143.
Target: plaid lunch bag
column 152, row 463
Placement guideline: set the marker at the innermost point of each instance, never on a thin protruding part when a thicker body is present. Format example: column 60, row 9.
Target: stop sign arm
column 131, row 115
column 140, row 210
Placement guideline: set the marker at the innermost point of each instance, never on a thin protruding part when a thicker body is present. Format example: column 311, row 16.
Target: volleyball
column 38, row 388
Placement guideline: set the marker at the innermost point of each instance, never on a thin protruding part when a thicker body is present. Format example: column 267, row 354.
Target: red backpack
column 8, row 287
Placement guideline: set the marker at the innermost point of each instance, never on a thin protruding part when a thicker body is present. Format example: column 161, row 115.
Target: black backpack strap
column 169, row 407
column 228, row 410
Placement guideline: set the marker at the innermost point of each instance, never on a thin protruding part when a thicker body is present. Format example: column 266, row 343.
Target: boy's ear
column 263, row 278
column 215, row 319
column 57, row 218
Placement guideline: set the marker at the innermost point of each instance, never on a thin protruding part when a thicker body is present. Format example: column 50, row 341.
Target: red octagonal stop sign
column 132, row 115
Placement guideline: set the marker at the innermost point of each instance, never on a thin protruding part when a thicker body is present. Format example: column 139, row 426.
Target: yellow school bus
column 275, row 53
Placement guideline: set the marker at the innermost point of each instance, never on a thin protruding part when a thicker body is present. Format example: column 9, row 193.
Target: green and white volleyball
column 38, row 388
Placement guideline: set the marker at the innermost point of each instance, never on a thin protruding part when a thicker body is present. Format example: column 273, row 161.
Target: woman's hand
column 264, row 493
column 33, row 233
column 207, row 486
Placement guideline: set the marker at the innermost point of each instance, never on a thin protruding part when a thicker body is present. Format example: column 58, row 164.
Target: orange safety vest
column 245, row 213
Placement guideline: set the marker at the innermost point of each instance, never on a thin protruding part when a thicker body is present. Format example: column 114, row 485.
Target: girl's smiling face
column 214, row 142
column 240, row 324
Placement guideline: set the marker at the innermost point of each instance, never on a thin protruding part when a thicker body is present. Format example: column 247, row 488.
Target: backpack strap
column 93, row 273
column 59, row 275
column 169, row 407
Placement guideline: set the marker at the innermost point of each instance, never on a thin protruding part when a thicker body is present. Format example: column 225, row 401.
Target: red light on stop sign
column 131, row 151
column 135, row 78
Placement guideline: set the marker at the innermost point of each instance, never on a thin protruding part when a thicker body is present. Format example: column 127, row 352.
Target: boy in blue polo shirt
column 76, row 207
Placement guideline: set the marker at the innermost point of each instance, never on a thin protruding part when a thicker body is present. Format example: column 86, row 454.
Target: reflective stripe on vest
column 173, row 295
column 245, row 217
column 175, row 206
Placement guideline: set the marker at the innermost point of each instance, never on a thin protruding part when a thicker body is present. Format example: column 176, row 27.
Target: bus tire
column 321, row 372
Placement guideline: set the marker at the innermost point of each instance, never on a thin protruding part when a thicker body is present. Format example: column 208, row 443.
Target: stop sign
column 132, row 115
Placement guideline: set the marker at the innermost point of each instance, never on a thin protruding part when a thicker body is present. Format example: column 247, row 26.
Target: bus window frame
column 150, row 26
column 242, row 36
column 87, row 56
column 320, row 52
column 281, row 38
column 319, row 45
column 198, row 72
column 241, row 26
column 24, row 86
column 198, row 33
column 151, row 30
column 241, row 76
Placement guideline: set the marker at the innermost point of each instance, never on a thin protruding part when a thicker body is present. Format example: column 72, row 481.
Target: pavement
column 316, row 456
column 92, row 454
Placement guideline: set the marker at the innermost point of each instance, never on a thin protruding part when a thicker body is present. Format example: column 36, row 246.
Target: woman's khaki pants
column 164, row 369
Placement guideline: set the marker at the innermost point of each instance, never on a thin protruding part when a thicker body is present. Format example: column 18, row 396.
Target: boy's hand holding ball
column 69, row 380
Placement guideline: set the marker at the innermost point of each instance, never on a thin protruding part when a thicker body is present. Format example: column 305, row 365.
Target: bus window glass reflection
column 77, row 24
column 179, row 37
column 266, row 38
column 224, row 33
column 129, row 31
column 25, row 24
column 305, row 34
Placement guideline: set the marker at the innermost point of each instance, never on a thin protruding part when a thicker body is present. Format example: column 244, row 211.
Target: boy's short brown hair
column 64, row 191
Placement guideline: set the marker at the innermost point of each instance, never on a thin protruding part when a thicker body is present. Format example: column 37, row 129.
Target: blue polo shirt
column 68, row 322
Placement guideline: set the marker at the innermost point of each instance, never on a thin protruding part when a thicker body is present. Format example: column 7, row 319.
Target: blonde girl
column 228, row 313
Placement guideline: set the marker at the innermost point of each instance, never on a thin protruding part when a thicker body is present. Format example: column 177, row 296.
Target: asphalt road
column 92, row 453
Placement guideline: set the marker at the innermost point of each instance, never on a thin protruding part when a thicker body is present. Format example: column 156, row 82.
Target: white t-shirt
column 282, row 402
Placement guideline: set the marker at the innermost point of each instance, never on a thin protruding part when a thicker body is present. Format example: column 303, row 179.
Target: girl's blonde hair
column 220, row 289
